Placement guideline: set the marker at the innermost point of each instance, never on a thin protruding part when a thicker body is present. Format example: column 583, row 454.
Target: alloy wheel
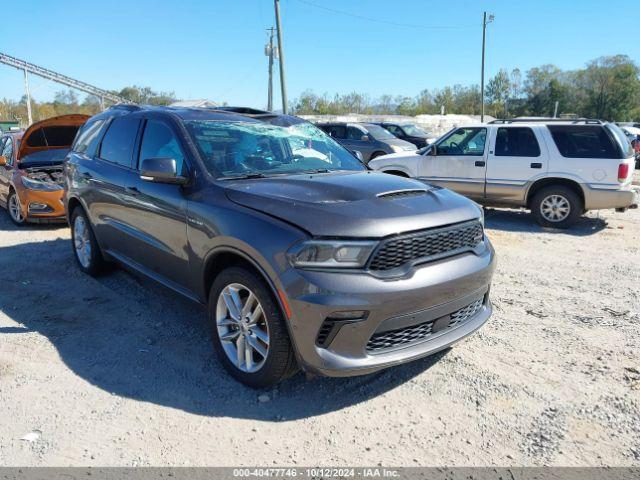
column 82, row 241
column 555, row 208
column 14, row 209
column 242, row 327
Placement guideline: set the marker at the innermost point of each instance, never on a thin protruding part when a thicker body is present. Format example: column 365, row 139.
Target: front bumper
column 42, row 207
column 430, row 292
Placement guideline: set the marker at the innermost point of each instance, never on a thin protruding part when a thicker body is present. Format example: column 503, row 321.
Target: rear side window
column 583, row 141
column 158, row 141
column 516, row 142
column 118, row 142
column 354, row 133
column 335, row 131
column 56, row 136
column 89, row 137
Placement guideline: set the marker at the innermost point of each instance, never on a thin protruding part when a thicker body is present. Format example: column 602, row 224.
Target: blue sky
column 214, row 48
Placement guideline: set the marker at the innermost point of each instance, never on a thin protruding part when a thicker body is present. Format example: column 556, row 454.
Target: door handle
column 480, row 163
column 536, row 165
column 132, row 191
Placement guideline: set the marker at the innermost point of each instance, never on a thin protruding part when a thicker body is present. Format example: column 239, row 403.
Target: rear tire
column 556, row 206
column 248, row 329
column 14, row 209
column 85, row 247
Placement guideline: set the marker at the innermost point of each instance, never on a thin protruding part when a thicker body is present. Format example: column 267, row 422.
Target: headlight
column 32, row 184
column 331, row 254
column 481, row 215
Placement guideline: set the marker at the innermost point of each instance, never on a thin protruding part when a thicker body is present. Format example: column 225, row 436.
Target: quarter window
column 584, row 141
column 464, row 141
column 118, row 142
column 159, row 141
column 516, row 142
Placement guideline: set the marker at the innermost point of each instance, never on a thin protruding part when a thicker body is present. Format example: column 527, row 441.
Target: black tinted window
column 89, row 137
column 159, row 141
column 516, row 142
column 354, row 133
column 118, row 142
column 584, row 141
column 335, row 131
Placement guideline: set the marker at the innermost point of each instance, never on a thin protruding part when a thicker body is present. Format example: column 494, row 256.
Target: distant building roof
column 194, row 103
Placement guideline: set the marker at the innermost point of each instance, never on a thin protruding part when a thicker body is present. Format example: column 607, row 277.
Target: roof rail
column 243, row 110
column 127, row 106
column 589, row 121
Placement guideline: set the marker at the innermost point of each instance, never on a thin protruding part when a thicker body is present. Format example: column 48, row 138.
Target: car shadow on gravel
column 135, row 339
column 522, row 221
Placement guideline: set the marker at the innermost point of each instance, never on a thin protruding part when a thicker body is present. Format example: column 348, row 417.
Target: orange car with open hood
column 31, row 181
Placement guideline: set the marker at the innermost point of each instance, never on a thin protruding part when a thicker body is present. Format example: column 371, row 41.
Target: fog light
column 39, row 208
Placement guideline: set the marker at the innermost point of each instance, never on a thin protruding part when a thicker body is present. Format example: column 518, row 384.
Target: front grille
column 417, row 333
column 422, row 246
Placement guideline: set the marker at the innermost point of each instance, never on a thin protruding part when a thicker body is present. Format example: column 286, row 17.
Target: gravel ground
column 119, row 371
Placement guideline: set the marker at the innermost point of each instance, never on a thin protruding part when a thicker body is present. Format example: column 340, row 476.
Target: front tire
column 15, row 209
column 556, row 206
column 85, row 246
column 248, row 329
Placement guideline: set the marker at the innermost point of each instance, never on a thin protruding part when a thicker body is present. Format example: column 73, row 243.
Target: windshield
column 414, row 130
column 232, row 149
column 53, row 156
column 378, row 132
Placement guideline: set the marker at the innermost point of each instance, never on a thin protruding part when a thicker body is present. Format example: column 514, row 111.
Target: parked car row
column 305, row 257
column 558, row 169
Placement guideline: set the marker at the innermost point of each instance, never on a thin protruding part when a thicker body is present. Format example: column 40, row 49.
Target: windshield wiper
column 318, row 170
column 244, row 176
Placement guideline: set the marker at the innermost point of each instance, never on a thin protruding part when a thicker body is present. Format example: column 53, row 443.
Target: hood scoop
column 402, row 193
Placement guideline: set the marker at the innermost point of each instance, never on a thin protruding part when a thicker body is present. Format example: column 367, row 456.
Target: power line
column 384, row 22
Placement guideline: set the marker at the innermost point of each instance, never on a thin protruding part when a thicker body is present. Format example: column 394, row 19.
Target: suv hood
column 353, row 204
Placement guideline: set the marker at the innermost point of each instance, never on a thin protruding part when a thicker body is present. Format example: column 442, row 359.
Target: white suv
column 557, row 168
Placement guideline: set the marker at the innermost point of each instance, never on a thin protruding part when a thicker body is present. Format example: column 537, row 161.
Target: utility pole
column 271, row 51
column 485, row 21
column 283, row 83
column 28, row 94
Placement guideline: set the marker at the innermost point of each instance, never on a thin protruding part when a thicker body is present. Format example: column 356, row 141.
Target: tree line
column 68, row 101
column 607, row 88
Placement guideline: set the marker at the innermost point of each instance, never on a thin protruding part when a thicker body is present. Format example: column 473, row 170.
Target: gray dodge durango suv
column 304, row 257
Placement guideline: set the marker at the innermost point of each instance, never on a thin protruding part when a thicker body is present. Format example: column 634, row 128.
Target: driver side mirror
column 161, row 170
column 3, row 161
column 358, row 155
column 364, row 138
